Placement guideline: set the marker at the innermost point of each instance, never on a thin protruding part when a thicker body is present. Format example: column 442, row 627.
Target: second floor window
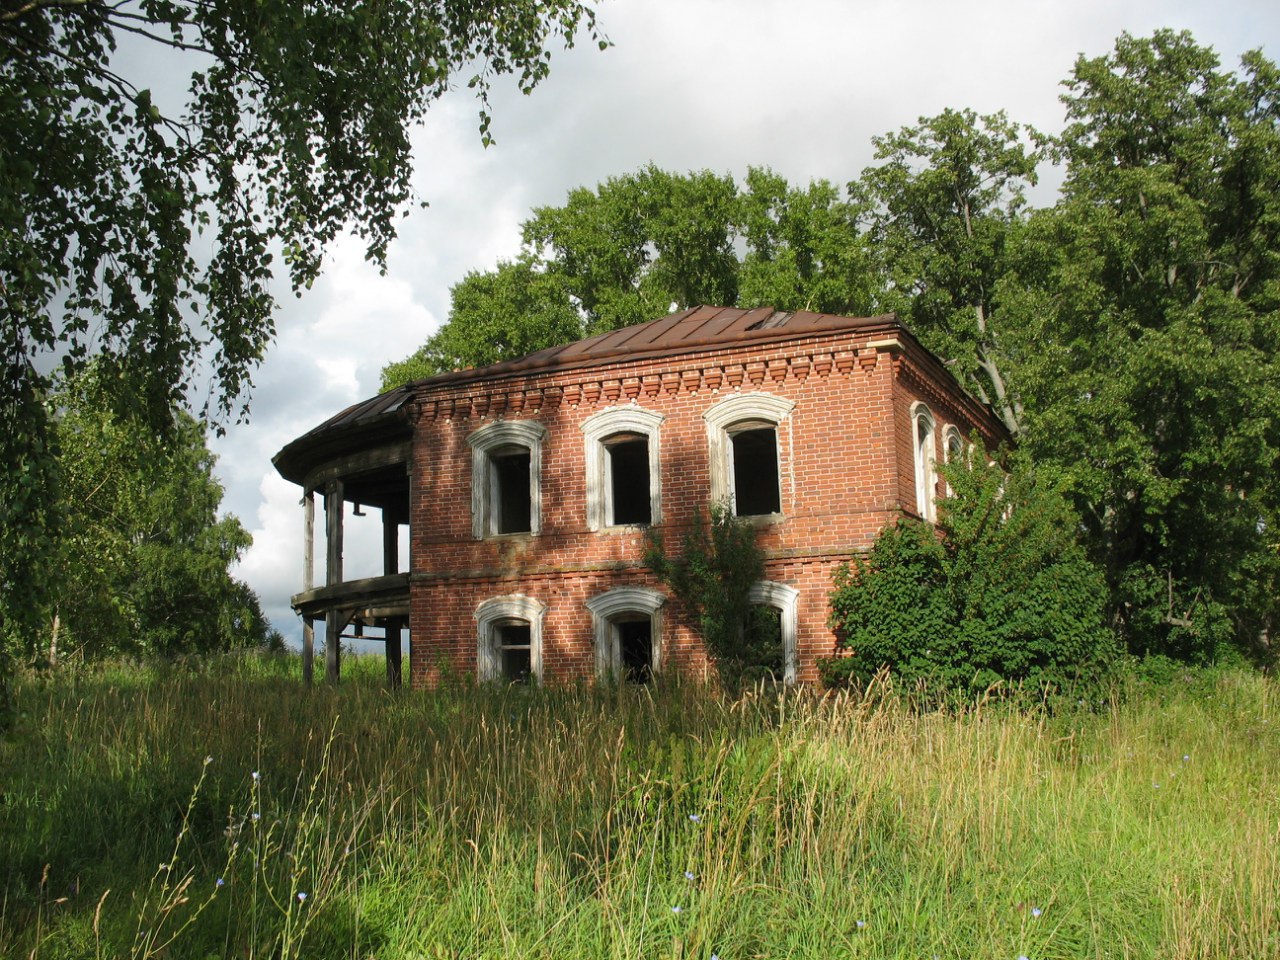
column 506, row 478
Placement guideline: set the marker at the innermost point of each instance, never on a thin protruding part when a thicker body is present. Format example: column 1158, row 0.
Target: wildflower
column 220, row 883
column 1036, row 911
column 861, row 924
column 255, row 776
column 346, row 851
column 1023, row 956
column 302, row 897
column 695, row 817
column 208, row 760
column 675, row 909
column 1186, row 757
column 690, row 875
column 255, row 816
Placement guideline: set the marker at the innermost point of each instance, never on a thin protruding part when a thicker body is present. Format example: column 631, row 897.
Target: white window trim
column 483, row 442
column 598, row 428
column 720, row 417
column 924, row 454
column 495, row 610
column 606, row 607
column 787, row 601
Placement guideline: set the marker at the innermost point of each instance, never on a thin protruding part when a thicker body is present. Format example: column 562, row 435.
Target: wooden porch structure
column 362, row 456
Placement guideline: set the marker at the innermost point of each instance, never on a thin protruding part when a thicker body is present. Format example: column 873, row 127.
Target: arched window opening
column 623, row 475
column 925, row 469
column 627, row 465
column 509, row 633
column 627, row 623
column 774, row 625
column 952, row 450
column 506, row 478
column 509, row 490
column 512, row 640
column 757, row 489
column 742, row 433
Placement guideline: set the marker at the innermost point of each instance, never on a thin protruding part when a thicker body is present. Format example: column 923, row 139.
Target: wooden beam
column 333, row 575
column 364, row 461
column 390, row 543
column 333, row 532
column 308, row 581
column 334, row 622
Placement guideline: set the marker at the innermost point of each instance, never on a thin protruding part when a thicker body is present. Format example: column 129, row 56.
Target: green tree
column 1001, row 590
column 942, row 207
column 628, row 250
column 149, row 234
column 143, row 566
column 1153, row 337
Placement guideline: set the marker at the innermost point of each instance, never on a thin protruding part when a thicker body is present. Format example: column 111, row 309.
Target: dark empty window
column 755, row 471
column 635, row 650
column 515, row 651
column 629, row 479
column 763, row 648
column 512, row 510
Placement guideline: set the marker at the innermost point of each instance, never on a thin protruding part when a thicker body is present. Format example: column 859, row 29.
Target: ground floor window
column 513, row 640
column 627, row 623
column 774, row 624
column 635, row 649
column 509, row 639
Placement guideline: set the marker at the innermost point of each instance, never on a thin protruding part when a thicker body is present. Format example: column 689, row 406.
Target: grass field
column 226, row 811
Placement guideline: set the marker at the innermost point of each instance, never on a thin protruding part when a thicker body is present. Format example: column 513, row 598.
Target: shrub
column 1001, row 590
column 718, row 564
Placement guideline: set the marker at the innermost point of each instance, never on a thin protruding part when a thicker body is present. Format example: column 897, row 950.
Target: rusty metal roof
column 698, row 328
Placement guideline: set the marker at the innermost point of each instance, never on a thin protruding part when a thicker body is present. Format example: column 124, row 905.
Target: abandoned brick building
column 526, row 487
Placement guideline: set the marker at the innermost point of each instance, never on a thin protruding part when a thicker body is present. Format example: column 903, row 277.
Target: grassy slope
column 573, row 823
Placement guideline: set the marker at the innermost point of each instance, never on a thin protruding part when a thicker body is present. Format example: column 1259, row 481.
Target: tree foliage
column 628, row 250
column 1152, row 336
column 1001, row 590
column 718, row 563
column 146, row 226
column 143, row 563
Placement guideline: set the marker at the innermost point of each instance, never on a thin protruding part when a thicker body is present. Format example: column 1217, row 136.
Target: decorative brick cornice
column 592, row 389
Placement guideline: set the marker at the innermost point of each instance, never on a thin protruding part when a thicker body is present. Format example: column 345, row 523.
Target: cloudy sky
column 797, row 85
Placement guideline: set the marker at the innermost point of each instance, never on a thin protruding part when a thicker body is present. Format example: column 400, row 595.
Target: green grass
column 561, row 823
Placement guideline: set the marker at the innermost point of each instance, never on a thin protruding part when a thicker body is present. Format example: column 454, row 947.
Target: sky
column 797, row 85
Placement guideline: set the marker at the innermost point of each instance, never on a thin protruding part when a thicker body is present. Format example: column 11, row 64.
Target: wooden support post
column 394, row 626
column 308, row 581
column 390, row 543
column 333, row 575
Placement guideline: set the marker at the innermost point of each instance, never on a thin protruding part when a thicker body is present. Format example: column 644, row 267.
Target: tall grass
column 227, row 811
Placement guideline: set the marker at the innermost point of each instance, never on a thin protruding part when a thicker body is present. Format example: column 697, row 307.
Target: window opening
column 514, row 642
column 628, row 466
column 756, row 490
column 924, row 456
column 509, row 476
column 635, row 649
column 764, row 645
column 743, row 451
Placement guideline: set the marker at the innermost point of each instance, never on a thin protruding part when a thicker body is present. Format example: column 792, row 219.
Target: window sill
column 762, row 519
column 617, row 528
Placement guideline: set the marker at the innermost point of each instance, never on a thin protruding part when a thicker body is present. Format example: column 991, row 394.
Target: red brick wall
column 846, row 471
